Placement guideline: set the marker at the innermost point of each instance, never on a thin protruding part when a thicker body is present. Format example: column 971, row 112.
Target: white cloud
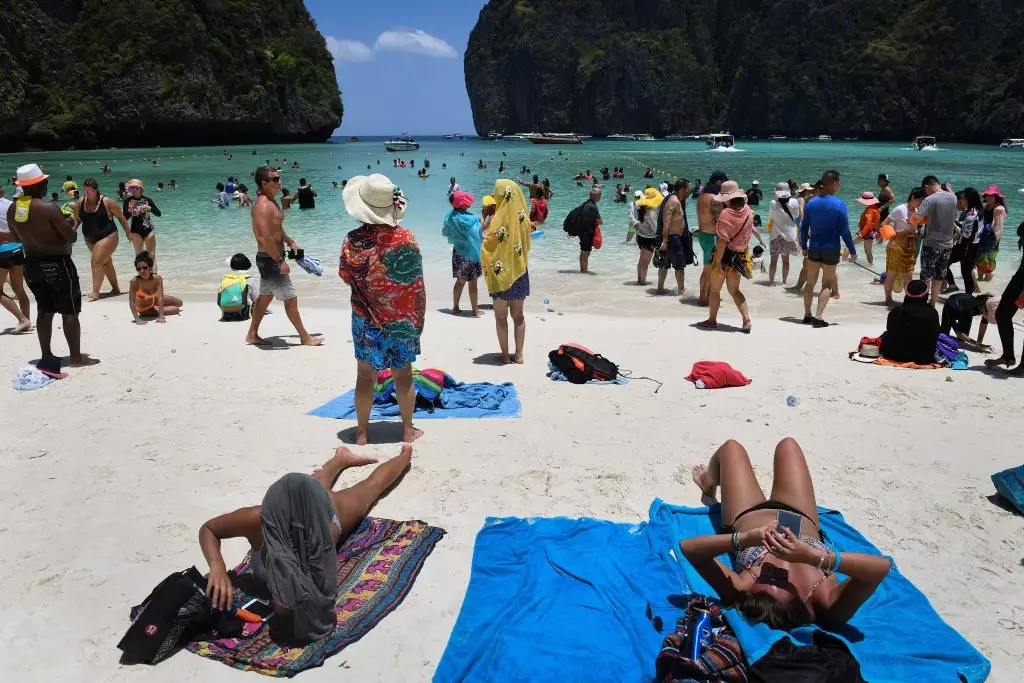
column 349, row 50
column 415, row 42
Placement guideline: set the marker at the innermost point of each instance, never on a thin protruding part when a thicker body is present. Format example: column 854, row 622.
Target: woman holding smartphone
column 783, row 573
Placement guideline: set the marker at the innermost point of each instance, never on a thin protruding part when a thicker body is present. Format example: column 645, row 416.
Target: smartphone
column 791, row 521
column 260, row 608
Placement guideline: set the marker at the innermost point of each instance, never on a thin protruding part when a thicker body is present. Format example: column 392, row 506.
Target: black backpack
column 175, row 610
column 571, row 224
column 580, row 365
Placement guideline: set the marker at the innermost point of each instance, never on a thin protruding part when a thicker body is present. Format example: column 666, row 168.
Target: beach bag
column 598, row 238
column 580, row 365
column 176, row 609
column 721, row 661
column 571, row 224
column 1010, row 485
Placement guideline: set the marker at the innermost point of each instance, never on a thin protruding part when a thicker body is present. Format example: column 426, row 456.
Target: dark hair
column 302, row 181
column 120, row 186
column 144, row 257
column 536, row 179
column 261, row 176
column 284, row 191
column 240, row 262
column 930, row 180
column 91, row 182
column 68, row 177
column 973, row 199
column 917, row 193
column 765, row 608
column 830, row 176
column 220, row 186
column 758, row 250
column 680, row 185
column 243, row 189
column 546, row 183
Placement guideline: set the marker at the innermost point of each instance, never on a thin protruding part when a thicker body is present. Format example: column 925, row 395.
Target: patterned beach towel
column 377, row 566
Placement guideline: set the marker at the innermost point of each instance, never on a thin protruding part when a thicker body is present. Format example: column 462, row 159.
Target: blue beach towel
column 456, row 401
column 896, row 635
column 561, row 600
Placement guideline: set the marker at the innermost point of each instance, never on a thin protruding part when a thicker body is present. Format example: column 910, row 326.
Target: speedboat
column 1012, row 143
column 824, row 138
column 621, row 136
column 721, row 140
column 675, row 136
column 644, row 137
column 554, row 139
column 777, row 138
column 493, row 135
column 452, row 136
column 402, row 143
column 520, row 136
column 922, row 141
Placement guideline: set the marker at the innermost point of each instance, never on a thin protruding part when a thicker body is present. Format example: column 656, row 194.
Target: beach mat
column 896, row 635
column 457, row 401
column 561, row 600
column 377, row 566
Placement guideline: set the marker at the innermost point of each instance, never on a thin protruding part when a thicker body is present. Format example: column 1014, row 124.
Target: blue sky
column 399, row 63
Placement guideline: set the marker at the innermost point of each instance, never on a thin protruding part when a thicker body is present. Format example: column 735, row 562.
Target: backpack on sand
column 176, row 609
column 233, row 297
column 580, row 365
column 571, row 224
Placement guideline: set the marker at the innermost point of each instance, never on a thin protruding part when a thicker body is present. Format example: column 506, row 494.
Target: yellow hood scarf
column 507, row 243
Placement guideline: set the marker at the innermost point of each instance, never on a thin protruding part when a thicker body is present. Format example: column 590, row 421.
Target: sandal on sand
column 997, row 362
column 808, row 320
column 707, row 325
column 746, row 327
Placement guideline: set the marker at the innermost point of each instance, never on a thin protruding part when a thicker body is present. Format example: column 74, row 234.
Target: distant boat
column 621, row 136
column 721, row 140
column 1012, row 143
column 520, row 136
column 824, row 138
column 644, row 137
column 354, row 138
column 675, row 136
column 922, row 141
column 777, row 138
column 452, row 136
column 493, row 135
column 402, row 143
column 554, row 139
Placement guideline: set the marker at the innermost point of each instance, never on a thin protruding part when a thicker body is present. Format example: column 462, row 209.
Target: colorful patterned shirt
column 384, row 268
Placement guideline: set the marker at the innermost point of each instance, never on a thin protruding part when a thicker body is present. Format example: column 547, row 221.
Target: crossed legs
column 352, row 504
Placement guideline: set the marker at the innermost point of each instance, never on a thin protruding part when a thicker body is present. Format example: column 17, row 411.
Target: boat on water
column 777, row 138
column 493, row 135
column 721, row 140
column 353, row 138
column 922, row 141
column 555, row 139
column 402, row 143
column 1012, row 143
column 452, row 136
column 675, row 136
column 644, row 137
column 823, row 138
column 621, row 136
column 520, row 136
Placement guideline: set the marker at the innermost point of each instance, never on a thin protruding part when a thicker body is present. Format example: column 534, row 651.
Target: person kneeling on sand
column 294, row 536
column 912, row 328
column 146, row 297
column 783, row 573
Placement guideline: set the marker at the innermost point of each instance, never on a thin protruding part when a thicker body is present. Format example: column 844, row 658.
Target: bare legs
column 732, row 281
column 584, row 261
column 291, row 309
column 501, row 311
column 473, row 296
column 705, row 285
column 102, row 263
column 353, row 504
column 147, row 244
column 404, row 392
column 24, row 323
column 73, row 335
column 642, row 265
column 730, row 468
column 663, row 275
column 774, row 265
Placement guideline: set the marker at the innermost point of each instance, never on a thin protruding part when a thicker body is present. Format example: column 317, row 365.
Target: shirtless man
column 275, row 278
column 672, row 251
column 707, row 220
column 46, row 235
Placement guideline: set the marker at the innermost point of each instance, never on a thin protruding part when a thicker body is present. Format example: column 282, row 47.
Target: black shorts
column 54, row 283
column 141, row 231
column 587, row 240
column 12, row 258
column 828, row 257
column 672, row 257
column 648, row 243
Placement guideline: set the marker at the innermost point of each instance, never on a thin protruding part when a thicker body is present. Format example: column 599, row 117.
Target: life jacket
column 233, row 297
column 581, row 365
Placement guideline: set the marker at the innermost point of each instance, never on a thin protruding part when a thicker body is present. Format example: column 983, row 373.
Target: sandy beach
column 112, row 471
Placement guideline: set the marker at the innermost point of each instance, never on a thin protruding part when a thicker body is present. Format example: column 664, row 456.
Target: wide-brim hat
column 867, row 199
column 782, row 190
column 30, row 174
column 730, row 190
column 805, row 187
column 374, row 200
column 652, row 198
column 993, row 190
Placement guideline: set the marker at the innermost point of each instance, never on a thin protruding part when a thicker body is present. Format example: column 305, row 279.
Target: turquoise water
column 194, row 236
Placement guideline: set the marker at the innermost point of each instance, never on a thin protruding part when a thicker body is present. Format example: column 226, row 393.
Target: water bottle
column 792, row 401
column 547, row 302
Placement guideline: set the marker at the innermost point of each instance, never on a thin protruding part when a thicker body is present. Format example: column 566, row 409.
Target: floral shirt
column 384, row 268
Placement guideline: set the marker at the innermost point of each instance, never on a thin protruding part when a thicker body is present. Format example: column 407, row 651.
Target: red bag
column 598, row 239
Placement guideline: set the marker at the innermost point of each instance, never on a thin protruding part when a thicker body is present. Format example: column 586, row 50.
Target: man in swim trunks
column 824, row 229
column 673, row 226
column 46, row 235
column 707, row 222
column 275, row 278
column 590, row 221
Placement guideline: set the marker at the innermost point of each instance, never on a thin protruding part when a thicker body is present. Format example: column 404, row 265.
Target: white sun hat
column 30, row 174
column 374, row 200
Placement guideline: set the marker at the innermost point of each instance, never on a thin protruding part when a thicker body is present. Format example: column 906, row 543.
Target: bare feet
column 456, row 311
column 93, row 296
column 477, row 313
column 707, row 489
column 409, row 435
column 256, row 340
column 82, row 361
column 117, row 292
column 996, row 362
column 518, row 359
column 313, row 341
column 660, row 291
column 505, row 359
column 21, row 328
column 347, row 458
column 362, row 438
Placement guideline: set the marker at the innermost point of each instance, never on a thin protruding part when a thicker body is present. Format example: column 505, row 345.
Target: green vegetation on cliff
column 871, row 68
column 86, row 73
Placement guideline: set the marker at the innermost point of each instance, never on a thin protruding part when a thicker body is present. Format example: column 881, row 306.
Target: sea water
column 194, row 236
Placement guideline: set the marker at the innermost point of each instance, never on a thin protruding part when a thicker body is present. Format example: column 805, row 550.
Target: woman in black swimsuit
column 782, row 578
column 141, row 209
column 96, row 214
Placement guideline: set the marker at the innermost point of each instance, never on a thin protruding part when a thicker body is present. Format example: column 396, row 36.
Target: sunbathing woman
column 146, row 297
column 783, row 579
column 294, row 536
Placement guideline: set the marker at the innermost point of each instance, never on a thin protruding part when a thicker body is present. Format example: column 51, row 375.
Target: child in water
column 146, row 297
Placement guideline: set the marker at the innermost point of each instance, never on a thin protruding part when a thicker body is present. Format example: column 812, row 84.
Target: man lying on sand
column 294, row 536
column 783, row 573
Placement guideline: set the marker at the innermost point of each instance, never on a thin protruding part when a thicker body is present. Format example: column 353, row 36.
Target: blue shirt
column 826, row 225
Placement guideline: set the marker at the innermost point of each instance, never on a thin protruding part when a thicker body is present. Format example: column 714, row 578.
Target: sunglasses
column 274, row 178
column 134, row 189
column 141, row 268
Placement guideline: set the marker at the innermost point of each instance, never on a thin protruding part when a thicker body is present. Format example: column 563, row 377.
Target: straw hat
column 374, row 200
column 782, row 190
column 730, row 191
column 805, row 187
column 868, row 199
column 30, row 174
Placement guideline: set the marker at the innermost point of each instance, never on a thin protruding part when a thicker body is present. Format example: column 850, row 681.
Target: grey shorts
column 280, row 287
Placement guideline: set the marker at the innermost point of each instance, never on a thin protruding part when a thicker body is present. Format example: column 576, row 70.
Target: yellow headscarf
column 507, row 244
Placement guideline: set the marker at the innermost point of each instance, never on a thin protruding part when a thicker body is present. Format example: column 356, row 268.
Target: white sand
column 109, row 474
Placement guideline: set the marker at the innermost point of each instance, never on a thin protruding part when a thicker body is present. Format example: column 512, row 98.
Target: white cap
column 755, row 183
column 638, row 194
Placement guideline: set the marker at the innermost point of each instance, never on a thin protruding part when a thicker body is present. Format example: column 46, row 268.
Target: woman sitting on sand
column 146, row 297
column 294, row 536
column 912, row 328
column 506, row 248
column 778, row 577
column 381, row 262
column 464, row 234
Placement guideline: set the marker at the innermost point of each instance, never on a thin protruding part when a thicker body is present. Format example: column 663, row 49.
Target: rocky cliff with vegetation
column 885, row 69
column 87, row 73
